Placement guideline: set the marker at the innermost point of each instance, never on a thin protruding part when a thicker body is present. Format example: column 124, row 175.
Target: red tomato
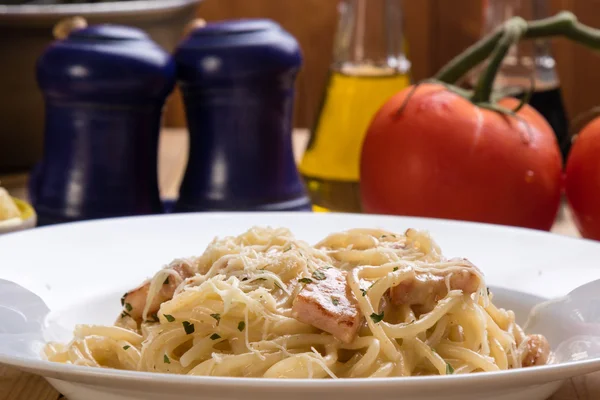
column 582, row 183
column 444, row 157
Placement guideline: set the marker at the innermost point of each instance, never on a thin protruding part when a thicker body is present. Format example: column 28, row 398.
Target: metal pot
column 25, row 30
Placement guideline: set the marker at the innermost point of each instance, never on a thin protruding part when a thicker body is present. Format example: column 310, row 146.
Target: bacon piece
column 327, row 303
column 538, row 351
column 134, row 301
column 426, row 289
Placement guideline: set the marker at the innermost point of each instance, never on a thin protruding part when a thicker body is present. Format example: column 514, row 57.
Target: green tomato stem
column 562, row 24
column 511, row 34
column 581, row 120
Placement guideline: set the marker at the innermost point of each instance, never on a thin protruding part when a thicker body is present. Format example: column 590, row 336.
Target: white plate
column 79, row 271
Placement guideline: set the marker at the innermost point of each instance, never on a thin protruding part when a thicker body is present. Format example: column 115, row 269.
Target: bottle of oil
column 530, row 60
column 369, row 66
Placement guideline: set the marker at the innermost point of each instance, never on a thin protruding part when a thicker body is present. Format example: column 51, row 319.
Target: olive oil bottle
column 369, row 67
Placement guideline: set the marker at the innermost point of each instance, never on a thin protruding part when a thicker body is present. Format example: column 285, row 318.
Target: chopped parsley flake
column 125, row 314
column 488, row 291
column 364, row 292
column 335, row 300
column 395, row 269
column 123, row 299
column 278, row 285
column 215, row 336
column 217, row 317
column 260, row 279
column 319, row 275
column 383, row 236
column 166, row 282
column 188, row 327
column 128, row 307
column 305, row 280
column 166, row 359
column 449, row 369
column 126, row 347
column 288, row 248
column 377, row 317
column 241, row 326
column 169, row 318
column 154, row 317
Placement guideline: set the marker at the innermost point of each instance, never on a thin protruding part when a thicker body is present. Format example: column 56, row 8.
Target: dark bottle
column 104, row 87
column 237, row 80
column 531, row 61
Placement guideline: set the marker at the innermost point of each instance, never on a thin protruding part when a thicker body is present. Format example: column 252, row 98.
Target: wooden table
column 15, row 385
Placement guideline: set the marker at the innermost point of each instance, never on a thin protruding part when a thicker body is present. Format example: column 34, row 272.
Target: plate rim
column 286, row 214
column 159, row 381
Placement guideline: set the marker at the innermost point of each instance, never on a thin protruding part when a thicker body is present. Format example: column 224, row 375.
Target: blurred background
column 355, row 55
column 436, row 31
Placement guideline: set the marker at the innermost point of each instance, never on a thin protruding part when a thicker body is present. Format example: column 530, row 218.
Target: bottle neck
column 369, row 39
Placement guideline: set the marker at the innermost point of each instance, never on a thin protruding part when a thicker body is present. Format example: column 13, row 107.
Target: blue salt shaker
column 237, row 79
column 104, row 88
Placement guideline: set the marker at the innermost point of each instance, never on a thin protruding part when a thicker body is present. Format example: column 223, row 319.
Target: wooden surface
column 15, row 385
column 436, row 31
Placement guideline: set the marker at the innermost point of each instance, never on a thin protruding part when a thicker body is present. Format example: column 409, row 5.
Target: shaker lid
column 104, row 63
column 107, row 32
column 242, row 26
column 236, row 49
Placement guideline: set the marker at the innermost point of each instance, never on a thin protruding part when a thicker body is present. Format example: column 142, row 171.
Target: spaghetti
column 361, row 303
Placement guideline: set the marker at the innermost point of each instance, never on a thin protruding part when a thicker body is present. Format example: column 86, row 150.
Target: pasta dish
column 360, row 303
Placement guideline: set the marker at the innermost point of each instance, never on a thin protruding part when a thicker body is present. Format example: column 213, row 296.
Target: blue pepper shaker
column 104, row 88
column 237, row 79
